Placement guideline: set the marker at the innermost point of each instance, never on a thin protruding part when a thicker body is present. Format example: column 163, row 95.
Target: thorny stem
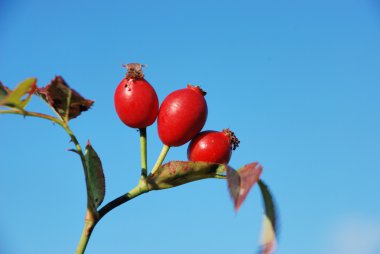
column 161, row 157
column 91, row 221
column 35, row 114
column 143, row 152
column 93, row 216
column 91, row 212
column 55, row 120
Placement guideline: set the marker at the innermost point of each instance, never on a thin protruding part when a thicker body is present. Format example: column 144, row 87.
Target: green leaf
column 269, row 229
column 176, row 173
column 66, row 102
column 94, row 176
column 13, row 98
column 240, row 182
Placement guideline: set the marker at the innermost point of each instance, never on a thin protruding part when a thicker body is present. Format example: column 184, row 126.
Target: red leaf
column 240, row 182
column 67, row 102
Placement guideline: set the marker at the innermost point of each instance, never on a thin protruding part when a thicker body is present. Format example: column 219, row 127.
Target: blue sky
column 297, row 81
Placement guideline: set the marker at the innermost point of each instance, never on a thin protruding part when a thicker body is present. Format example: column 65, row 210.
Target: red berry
column 136, row 101
column 213, row 146
column 182, row 115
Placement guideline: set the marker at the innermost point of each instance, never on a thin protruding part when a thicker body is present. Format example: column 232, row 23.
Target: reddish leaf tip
column 241, row 181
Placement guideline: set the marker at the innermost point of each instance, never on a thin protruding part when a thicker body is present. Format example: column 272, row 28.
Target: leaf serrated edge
column 89, row 152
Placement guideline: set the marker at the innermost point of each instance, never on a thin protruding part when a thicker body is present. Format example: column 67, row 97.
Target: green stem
column 137, row 191
column 34, row 114
column 91, row 220
column 89, row 225
column 92, row 216
column 91, row 212
column 161, row 157
column 55, row 120
column 143, row 152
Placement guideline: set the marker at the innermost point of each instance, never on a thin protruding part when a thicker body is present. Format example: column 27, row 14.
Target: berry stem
column 143, row 152
column 161, row 157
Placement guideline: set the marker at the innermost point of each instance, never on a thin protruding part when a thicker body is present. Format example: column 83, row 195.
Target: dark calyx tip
column 197, row 88
column 234, row 141
column 134, row 70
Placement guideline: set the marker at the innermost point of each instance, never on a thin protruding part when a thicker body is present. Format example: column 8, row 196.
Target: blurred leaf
column 269, row 230
column 268, row 237
column 175, row 173
column 94, row 176
column 66, row 102
column 233, row 181
column 13, row 98
column 240, row 182
column 3, row 91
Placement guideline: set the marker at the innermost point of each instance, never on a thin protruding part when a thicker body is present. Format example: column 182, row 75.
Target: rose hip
column 182, row 115
column 213, row 146
column 136, row 101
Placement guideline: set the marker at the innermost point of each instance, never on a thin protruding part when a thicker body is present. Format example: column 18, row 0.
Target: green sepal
column 13, row 99
column 94, row 176
column 175, row 173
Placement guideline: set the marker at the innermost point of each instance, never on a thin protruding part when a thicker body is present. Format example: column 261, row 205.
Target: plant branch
column 89, row 225
column 91, row 213
column 53, row 119
column 137, row 191
column 34, row 114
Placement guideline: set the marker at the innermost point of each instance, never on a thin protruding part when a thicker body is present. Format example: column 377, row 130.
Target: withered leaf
column 65, row 101
column 241, row 181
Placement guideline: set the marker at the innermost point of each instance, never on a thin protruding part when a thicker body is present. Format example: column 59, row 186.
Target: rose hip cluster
column 180, row 118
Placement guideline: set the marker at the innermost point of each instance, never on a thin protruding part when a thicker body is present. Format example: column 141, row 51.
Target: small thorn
column 72, row 150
